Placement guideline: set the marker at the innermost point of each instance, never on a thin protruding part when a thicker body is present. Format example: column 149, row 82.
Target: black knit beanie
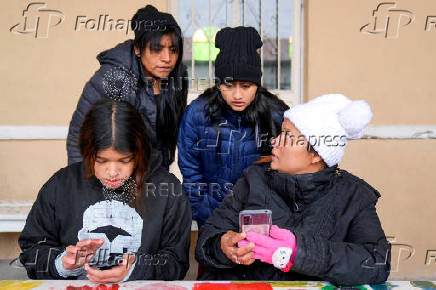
column 238, row 58
column 150, row 19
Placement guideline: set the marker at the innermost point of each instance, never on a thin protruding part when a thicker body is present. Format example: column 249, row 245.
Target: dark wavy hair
column 174, row 89
column 115, row 124
column 257, row 114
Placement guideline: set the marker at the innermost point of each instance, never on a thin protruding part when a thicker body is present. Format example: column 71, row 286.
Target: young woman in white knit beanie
column 325, row 225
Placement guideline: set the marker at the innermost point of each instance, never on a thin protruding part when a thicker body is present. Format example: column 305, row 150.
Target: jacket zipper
column 236, row 149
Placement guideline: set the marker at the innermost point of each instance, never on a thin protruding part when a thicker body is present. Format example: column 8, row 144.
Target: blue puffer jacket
column 209, row 172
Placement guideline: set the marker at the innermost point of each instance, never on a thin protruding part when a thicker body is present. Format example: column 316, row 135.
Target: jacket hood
column 302, row 189
column 122, row 56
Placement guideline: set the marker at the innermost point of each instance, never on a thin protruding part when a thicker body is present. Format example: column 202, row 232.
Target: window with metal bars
column 278, row 23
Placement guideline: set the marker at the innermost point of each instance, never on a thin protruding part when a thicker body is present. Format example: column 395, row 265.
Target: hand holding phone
column 238, row 255
column 112, row 275
column 80, row 253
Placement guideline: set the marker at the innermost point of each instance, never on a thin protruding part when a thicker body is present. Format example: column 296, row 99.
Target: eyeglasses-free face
column 290, row 152
column 238, row 95
column 113, row 168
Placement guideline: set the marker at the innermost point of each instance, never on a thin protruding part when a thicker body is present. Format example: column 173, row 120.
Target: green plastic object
column 201, row 44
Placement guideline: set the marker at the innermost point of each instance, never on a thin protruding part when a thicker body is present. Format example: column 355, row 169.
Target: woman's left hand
column 276, row 249
column 112, row 275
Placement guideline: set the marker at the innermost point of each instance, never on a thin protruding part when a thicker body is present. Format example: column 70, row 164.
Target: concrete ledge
column 13, row 216
column 16, row 132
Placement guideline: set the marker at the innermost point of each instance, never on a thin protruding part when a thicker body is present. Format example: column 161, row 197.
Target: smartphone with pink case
column 256, row 220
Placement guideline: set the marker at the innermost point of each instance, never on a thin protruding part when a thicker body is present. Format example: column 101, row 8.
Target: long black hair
column 115, row 124
column 257, row 114
column 174, row 90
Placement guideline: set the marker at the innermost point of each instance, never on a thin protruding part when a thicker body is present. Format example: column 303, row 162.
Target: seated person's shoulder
column 258, row 169
column 162, row 175
column 256, row 173
column 166, row 186
column 71, row 171
column 359, row 187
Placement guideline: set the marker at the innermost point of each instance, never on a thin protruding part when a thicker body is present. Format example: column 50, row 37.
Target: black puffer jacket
column 120, row 76
column 332, row 214
column 159, row 232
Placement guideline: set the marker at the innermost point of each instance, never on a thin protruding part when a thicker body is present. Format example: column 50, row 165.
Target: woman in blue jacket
column 228, row 127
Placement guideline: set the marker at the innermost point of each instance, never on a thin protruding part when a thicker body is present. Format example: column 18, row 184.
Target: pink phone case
column 258, row 221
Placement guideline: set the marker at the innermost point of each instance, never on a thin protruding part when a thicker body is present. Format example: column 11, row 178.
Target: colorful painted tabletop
column 197, row 285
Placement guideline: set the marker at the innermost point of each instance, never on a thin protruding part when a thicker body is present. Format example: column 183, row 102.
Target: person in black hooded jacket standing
column 324, row 221
column 148, row 73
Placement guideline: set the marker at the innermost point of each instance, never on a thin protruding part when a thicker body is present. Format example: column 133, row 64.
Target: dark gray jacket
column 332, row 214
column 120, row 76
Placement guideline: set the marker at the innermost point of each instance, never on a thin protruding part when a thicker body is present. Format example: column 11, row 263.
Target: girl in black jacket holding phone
column 119, row 204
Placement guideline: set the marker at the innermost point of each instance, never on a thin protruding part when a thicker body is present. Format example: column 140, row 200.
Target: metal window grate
column 278, row 23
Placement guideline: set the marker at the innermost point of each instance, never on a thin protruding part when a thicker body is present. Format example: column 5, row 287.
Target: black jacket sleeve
column 39, row 240
column 363, row 258
column 171, row 261
column 208, row 251
column 92, row 92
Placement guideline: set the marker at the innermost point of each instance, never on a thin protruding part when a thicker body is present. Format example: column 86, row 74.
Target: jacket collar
column 235, row 118
column 302, row 189
column 148, row 83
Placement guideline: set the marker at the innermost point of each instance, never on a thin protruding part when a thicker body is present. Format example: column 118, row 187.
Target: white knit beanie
column 328, row 121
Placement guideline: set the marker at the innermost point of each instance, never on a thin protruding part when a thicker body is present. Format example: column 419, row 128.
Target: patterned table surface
column 201, row 285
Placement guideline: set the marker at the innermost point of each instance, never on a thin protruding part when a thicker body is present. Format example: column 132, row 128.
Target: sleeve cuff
column 59, row 266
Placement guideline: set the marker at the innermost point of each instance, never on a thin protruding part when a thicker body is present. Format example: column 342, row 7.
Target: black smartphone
column 106, row 263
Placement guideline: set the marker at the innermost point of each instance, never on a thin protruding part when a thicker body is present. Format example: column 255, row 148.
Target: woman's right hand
column 243, row 255
column 80, row 253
